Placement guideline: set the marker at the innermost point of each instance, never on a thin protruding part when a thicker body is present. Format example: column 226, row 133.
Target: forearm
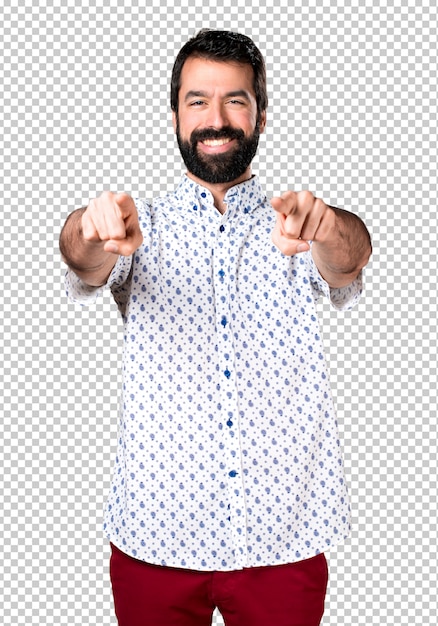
column 87, row 259
column 343, row 248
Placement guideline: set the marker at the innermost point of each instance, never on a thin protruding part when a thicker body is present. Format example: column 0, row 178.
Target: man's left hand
column 300, row 218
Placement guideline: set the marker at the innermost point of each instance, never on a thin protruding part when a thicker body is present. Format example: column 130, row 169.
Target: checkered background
column 352, row 116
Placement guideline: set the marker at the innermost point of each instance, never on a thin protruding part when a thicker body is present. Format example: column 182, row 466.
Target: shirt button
column 224, row 321
column 229, row 423
column 227, row 373
column 222, row 228
column 232, row 474
column 221, row 273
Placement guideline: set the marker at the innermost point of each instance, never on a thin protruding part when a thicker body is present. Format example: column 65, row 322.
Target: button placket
column 229, row 399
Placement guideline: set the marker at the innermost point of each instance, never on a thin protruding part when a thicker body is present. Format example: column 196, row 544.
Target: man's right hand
column 112, row 218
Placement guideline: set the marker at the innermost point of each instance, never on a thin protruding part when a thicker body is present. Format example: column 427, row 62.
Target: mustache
column 226, row 132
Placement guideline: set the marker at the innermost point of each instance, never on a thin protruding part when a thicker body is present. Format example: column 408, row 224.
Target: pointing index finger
column 286, row 203
column 124, row 201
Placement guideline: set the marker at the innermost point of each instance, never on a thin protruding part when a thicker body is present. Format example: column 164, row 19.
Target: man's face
column 216, row 124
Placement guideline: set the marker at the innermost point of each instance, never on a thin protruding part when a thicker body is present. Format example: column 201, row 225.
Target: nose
column 216, row 116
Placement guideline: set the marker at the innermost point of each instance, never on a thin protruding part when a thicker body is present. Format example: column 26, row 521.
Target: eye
column 197, row 103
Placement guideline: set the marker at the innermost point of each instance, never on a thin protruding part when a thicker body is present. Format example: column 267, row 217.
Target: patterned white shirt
column 228, row 453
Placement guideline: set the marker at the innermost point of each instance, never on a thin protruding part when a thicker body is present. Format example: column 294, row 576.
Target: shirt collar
column 244, row 197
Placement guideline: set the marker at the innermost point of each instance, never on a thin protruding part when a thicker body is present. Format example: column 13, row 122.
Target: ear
column 263, row 121
column 174, row 120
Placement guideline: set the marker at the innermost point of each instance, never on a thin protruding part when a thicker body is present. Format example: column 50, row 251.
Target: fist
column 113, row 219
column 300, row 218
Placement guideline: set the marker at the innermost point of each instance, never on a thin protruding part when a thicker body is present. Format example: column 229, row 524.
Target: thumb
column 126, row 246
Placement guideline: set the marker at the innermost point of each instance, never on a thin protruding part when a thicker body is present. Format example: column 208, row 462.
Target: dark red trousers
column 283, row 595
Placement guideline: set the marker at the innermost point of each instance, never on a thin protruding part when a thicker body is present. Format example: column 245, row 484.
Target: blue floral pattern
column 228, row 453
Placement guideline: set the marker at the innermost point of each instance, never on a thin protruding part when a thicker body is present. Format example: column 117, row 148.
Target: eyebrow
column 239, row 93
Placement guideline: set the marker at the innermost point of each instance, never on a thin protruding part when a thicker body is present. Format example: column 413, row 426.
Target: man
column 228, row 485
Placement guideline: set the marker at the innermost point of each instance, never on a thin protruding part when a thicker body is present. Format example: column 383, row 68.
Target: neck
column 218, row 190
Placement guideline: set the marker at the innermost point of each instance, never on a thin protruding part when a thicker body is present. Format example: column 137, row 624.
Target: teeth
column 215, row 142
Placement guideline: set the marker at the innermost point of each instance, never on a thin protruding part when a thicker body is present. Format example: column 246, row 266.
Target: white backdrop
column 352, row 116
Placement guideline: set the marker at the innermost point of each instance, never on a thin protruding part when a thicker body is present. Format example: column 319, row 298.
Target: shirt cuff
column 80, row 293
column 340, row 298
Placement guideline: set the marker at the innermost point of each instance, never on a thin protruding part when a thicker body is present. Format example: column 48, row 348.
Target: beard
column 218, row 168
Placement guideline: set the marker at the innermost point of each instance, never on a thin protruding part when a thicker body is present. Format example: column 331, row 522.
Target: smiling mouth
column 212, row 143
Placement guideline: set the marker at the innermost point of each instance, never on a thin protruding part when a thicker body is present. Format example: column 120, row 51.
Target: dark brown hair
column 222, row 45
